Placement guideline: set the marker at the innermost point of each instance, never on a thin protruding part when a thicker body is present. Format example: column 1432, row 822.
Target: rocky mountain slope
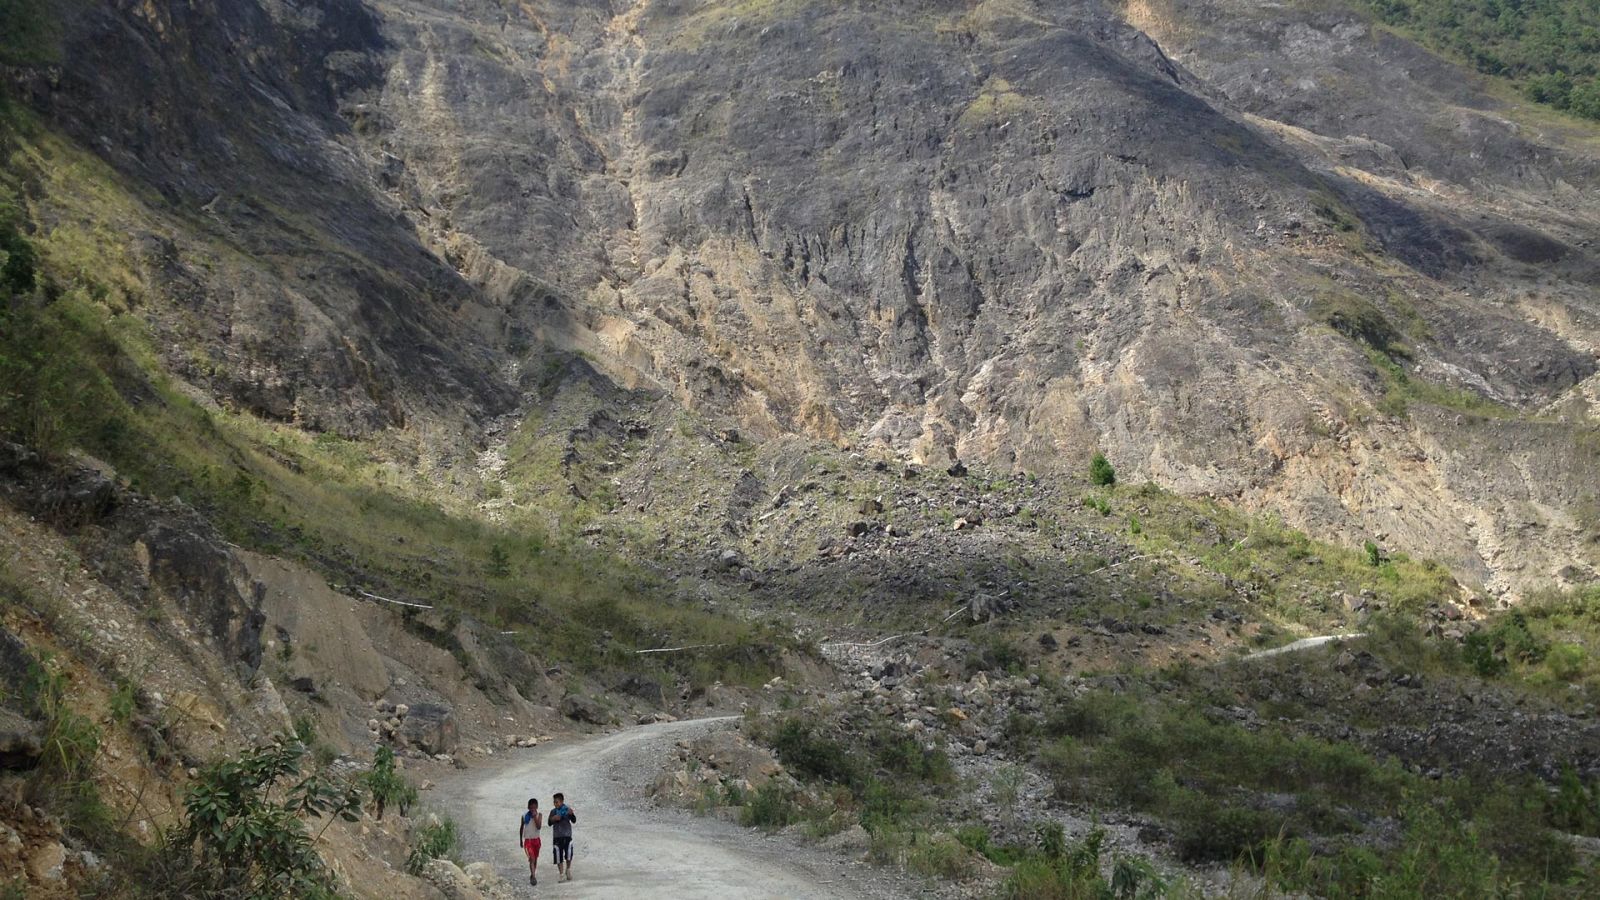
column 777, row 336
column 1276, row 255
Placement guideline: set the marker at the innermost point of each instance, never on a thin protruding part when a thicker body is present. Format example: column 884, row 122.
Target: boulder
column 20, row 744
column 451, row 881
column 267, row 703
column 489, row 883
column 647, row 689
column 429, row 727
column 47, row 862
column 209, row 583
column 735, row 758
column 854, row 840
column 85, row 495
column 580, row 708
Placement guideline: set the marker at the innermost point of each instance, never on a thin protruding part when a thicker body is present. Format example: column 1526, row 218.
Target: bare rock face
column 298, row 292
column 1287, row 260
column 203, row 578
column 429, row 727
column 1018, row 236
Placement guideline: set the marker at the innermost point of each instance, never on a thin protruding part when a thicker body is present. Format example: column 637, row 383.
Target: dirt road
column 625, row 849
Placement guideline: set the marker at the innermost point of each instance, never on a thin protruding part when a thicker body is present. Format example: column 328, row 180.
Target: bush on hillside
column 1101, row 472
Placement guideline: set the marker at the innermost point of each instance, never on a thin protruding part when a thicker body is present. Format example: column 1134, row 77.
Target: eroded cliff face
column 1270, row 255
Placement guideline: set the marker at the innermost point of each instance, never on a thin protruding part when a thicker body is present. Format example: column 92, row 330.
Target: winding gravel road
column 625, row 848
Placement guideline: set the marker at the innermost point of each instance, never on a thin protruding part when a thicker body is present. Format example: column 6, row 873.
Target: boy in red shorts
column 528, row 839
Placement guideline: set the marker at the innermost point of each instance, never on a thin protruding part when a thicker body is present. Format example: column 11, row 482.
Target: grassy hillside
column 80, row 374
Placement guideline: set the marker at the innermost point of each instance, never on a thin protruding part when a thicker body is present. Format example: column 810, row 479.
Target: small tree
column 499, row 562
column 388, row 786
column 243, row 830
column 1101, row 472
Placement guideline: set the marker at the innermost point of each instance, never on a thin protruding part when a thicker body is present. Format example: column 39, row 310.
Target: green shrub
column 769, row 807
column 1101, row 472
column 70, row 740
column 939, row 856
column 499, row 562
column 1052, row 841
column 1566, row 661
column 902, row 756
column 1575, row 806
column 243, row 825
column 887, row 806
column 1554, row 88
column 1062, row 871
column 809, row 755
column 386, row 786
column 1208, row 832
column 974, row 837
column 1492, row 650
column 1479, row 653
column 436, row 840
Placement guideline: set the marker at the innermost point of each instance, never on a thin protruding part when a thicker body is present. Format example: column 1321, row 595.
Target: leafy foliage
column 439, row 839
column 810, row 755
column 499, row 562
column 1551, row 47
column 768, row 807
column 1057, row 870
column 386, row 786
column 1101, row 471
column 243, row 830
column 1510, row 640
column 28, row 32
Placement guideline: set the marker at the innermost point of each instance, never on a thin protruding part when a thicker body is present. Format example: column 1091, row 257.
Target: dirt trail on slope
column 624, row 848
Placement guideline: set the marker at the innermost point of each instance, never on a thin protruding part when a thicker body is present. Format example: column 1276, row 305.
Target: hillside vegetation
column 79, row 374
column 1550, row 48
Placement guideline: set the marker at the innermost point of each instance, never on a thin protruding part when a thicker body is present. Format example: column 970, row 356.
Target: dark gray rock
column 647, row 689
column 580, row 708
column 430, row 728
column 212, row 587
column 21, row 744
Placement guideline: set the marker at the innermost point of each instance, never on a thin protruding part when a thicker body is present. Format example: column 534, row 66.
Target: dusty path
column 625, row 849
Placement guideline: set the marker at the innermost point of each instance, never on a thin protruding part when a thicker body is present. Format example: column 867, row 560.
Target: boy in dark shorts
column 528, row 838
column 561, row 821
